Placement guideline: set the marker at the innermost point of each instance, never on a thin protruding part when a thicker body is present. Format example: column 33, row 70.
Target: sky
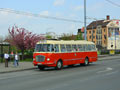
column 68, row 9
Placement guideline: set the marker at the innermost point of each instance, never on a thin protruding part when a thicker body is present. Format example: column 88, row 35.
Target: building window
column 104, row 41
column 90, row 32
column 104, row 36
column 96, row 37
column 90, row 37
column 104, row 30
column 100, row 42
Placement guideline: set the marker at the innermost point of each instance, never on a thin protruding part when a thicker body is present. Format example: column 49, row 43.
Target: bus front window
column 43, row 48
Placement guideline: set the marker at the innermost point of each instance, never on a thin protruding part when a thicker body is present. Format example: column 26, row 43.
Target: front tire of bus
column 86, row 63
column 59, row 65
column 41, row 67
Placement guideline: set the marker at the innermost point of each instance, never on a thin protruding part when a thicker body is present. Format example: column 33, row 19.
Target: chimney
column 108, row 17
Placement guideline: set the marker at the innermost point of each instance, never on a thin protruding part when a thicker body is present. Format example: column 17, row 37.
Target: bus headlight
column 48, row 59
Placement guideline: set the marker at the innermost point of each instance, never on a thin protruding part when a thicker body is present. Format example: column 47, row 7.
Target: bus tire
column 41, row 67
column 86, row 62
column 59, row 65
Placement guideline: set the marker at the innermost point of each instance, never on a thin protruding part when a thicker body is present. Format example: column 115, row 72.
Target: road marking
column 112, row 73
column 106, row 70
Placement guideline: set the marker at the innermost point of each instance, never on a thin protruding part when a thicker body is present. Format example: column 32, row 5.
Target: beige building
column 104, row 33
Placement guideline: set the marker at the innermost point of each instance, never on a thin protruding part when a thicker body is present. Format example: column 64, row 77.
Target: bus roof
column 65, row 42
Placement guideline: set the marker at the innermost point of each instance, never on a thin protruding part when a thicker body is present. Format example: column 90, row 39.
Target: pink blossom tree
column 23, row 39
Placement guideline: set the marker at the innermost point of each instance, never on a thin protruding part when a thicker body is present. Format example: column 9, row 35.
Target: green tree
column 79, row 36
column 48, row 37
column 68, row 37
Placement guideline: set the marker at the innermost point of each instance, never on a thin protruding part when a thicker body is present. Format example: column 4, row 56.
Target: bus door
column 56, row 55
column 71, row 55
column 75, row 56
column 64, row 54
column 80, row 53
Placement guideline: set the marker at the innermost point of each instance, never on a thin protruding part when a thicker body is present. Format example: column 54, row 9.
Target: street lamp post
column 85, row 20
column 115, row 40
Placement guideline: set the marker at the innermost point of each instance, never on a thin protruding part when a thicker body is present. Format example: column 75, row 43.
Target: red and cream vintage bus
column 53, row 53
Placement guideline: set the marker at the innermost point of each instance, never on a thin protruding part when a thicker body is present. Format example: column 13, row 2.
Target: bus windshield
column 44, row 48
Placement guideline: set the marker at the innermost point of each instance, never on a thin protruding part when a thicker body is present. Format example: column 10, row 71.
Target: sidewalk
column 28, row 65
column 11, row 68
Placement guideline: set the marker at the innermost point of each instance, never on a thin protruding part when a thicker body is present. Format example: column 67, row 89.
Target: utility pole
column 85, row 20
column 115, row 39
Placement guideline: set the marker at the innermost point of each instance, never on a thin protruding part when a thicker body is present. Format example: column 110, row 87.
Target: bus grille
column 40, row 58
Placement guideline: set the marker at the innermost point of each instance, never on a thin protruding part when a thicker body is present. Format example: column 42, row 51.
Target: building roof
column 94, row 24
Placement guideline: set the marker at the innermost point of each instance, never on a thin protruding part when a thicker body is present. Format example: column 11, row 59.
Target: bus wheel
column 59, row 65
column 86, row 63
column 41, row 67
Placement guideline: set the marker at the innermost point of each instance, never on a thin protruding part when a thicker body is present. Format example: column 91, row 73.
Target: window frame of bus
column 69, row 49
column 81, row 49
column 85, row 47
column 58, row 48
column 74, row 48
column 64, row 49
column 51, row 46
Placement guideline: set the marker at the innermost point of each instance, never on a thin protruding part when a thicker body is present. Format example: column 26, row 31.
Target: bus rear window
column 44, row 48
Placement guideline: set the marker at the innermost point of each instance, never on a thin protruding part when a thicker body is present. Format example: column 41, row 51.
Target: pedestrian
column 6, row 57
column 16, row 60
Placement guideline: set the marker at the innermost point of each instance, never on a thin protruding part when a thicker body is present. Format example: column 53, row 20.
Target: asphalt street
column 102, row 75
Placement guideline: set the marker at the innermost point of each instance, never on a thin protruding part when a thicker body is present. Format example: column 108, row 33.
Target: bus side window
column 89, row 48
column 49, row 48
column 62, row 47
column 80, row 48
column 84, row 47
column 56, row 47
column 46, row 47
column 68, row 47
column 93, row 48
column 74, row 48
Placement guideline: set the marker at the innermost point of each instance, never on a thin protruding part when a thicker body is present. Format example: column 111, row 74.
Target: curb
column 107, row 59
column 102, row 56
column 17, row 70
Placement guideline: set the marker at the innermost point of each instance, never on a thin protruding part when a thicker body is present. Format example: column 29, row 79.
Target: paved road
column 102, row 75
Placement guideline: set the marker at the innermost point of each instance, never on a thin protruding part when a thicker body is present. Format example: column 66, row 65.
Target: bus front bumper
column 49, row 64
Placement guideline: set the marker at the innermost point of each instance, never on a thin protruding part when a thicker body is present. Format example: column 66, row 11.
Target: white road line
column 111, row 73
column 106, row 70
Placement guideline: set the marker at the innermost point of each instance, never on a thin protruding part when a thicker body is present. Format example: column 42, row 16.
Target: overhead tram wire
column 113, row 3
column 93, row 18
column 38, row 15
